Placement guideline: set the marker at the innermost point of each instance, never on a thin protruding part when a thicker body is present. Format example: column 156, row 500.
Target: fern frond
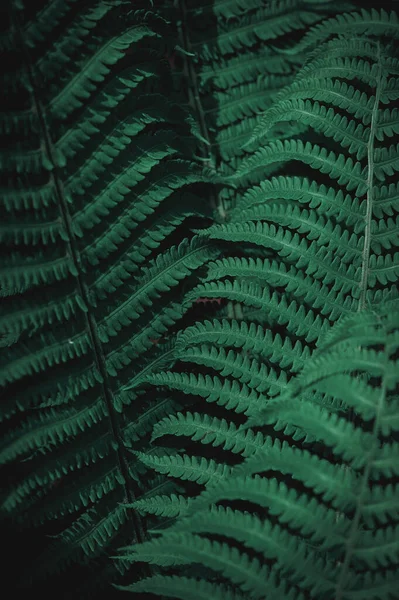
column 244, row 84
column 248, row 337
column 374, row 22
column 191, row 468
column 184, row 588
column 332, row 535
column 344, row 170
column 99, row 190
column 86, row 538
column 227, row 562
column 228, row 393
column 201, row 427
column 165, row 506
column 165, row 272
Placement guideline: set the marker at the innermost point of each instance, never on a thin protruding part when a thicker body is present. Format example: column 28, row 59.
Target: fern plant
column 125, row 280
column 320, row 250
column 325, row 247
column 330, row 529
column 98, row 196
column 233, row 49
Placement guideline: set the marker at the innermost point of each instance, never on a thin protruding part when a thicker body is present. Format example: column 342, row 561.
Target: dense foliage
column 199, row 319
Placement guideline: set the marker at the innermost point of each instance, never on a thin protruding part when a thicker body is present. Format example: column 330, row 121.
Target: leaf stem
column 370, row 183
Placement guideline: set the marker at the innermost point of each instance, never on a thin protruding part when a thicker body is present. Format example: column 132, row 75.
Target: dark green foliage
column 325, row 247
column 97, row 244
column 335, row 536
column 198, row 286
column 240, row 69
